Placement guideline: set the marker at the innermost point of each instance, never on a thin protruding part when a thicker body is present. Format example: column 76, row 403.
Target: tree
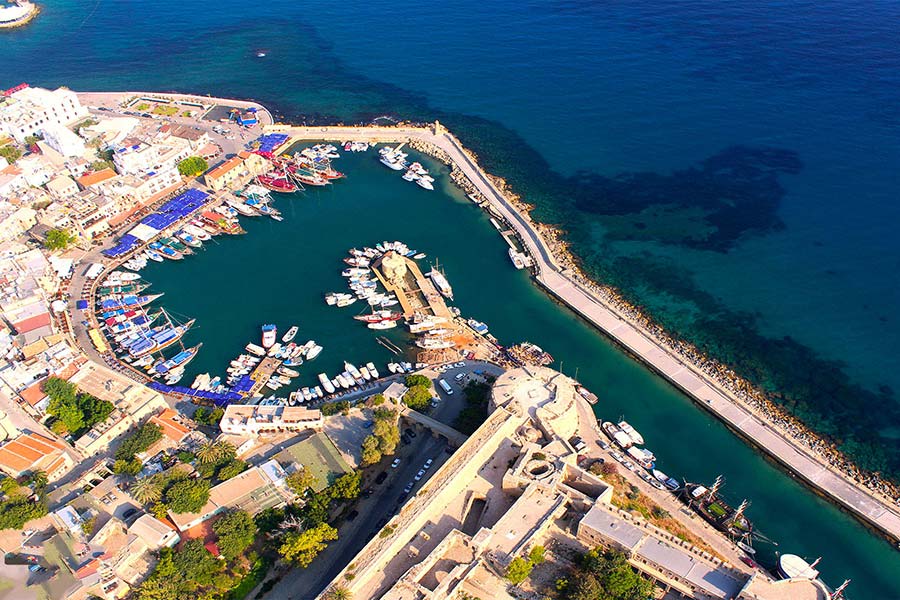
column 376, row 400
column 139, row 441
column 302, row 547
column 187, row 495
column 536, row 555
column 388, row 435
column 131, row 466
column 10, row 153
column 192, row 166
column 236, row 531
column 215, row 452
column 518, row 570
column 231, row 469
column 59, row 239
column 301, row 480
column 346, row 487
column 417, row 398
column 146, row 490
column 338, row 593
column 417, row 380
column 371, row 453
column 205, row 416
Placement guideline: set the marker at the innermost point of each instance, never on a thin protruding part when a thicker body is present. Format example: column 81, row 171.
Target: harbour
column 323, row 199
column 225, row 330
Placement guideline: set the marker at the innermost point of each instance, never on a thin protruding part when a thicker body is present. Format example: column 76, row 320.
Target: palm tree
column 339, row 593
column 226, row 449
column 146, row 490
column 214, row 452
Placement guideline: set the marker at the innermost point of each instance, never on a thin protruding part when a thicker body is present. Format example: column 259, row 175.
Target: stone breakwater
column 752, row 398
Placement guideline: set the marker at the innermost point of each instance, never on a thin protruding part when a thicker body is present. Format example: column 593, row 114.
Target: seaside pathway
column 707, row 392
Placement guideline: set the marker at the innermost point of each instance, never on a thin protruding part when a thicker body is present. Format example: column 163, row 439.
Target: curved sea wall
column 711, row 384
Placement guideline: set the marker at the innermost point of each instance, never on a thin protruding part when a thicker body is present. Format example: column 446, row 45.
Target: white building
column 133, row 157
column 63, row 140
column 253, row 420
column 28, row 111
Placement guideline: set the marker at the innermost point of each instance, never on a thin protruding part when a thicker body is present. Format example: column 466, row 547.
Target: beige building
column 236, row 171
column 32, row 452
column 255, row 420
column 516, row 484
column 134, row 403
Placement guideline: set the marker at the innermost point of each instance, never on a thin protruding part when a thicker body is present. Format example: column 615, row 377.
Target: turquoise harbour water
column 732, row 168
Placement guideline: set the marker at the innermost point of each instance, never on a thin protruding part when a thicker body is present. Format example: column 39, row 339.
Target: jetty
column 741, row 417
column 260, row 375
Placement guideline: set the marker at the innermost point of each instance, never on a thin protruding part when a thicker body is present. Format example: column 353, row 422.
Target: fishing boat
column 434, row 343
column 201, row 382
column 617, row 435
column 517, row 258
column 669, row 482
column 277, row 183
column 477, row 326
column 287, row 372
column 179, row 360
column 254, row 349
column 440, row 282
column 636, row 438
column 290, row 334
column 269, row 332
column 326, row 383
column 382, row 325
column 643, row 457
column 791, row 566
column 425, row 182
column 159, row 340
column 153, row 255
column 314, row 352
column 128, row 302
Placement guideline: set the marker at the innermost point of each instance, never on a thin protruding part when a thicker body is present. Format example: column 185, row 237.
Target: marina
column 328, row 278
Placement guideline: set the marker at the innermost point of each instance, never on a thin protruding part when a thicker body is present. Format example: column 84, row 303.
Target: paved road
column 374, row 512
column 880, row 512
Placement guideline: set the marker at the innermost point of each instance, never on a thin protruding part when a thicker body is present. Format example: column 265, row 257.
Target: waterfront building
column 28, row 111
column 236, row 172
column 32, row 452
column 255, row 420
column 518, row 483
column 63, row 140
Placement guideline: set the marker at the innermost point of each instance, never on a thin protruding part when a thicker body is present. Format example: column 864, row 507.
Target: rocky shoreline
column 725, row 377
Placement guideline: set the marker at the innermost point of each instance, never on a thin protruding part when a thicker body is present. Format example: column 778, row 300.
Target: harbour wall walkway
column 707, row 392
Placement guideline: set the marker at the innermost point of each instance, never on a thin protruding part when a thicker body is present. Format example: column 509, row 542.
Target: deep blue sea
column 732, row 167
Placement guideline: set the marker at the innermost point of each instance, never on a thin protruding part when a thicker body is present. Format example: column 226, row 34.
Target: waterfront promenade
column 709, row 393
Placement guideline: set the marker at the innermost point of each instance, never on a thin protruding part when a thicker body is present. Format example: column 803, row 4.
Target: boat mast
column 740, row 510
column 717, row 484
column 839, row 592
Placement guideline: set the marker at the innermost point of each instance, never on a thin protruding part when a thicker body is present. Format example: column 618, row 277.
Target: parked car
column 420, row 474
column 603, row 444
column 396, row 463
column 353, row 515
column 409, row 487
column 383, row 475
column 428, row 463
column 408, row 431
column 129, row 513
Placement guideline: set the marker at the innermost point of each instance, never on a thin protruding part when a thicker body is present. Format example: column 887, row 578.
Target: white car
column 420, row 474
column 396, row 463
column 428, row 463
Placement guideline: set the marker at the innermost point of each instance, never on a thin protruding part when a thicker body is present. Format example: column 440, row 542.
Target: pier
column 262, row 372
column 744, row 419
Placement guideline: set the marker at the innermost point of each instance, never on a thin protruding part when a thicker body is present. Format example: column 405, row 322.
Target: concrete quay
column 709, row 394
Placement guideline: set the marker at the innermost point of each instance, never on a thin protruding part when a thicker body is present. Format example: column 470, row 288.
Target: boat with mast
column 440, row 281
column 708, row 503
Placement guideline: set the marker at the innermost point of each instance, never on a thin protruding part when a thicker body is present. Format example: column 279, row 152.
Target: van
column 446, row 387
